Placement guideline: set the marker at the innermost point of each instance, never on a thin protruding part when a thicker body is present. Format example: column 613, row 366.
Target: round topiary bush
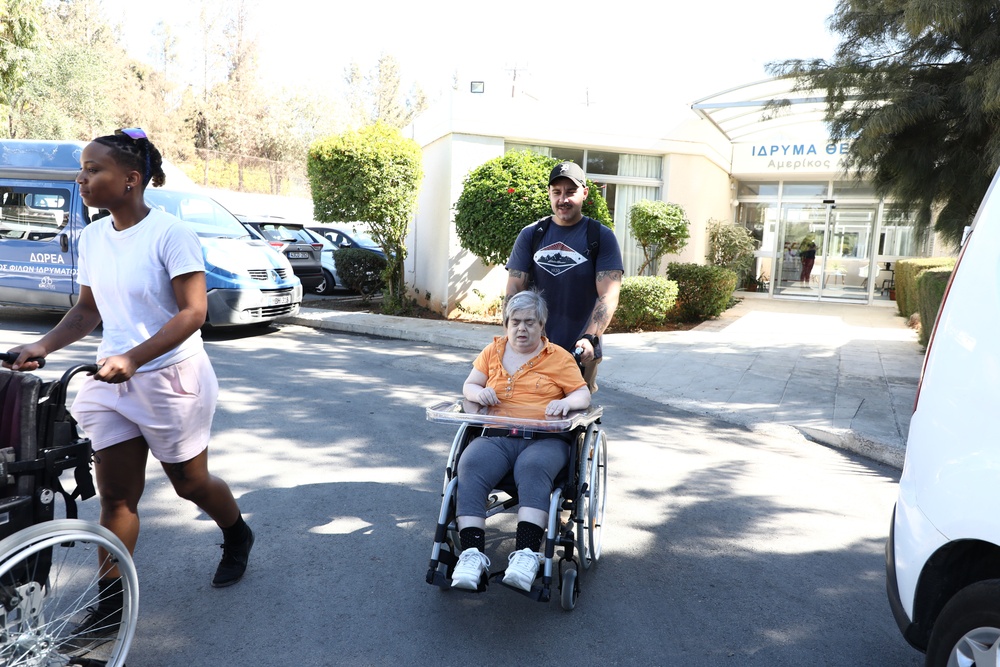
column 644, row 301
column 502, row 196
column 703, row 292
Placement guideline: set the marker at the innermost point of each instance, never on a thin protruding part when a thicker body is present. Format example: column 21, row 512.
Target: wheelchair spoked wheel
column 48, row 579
column 593, row 470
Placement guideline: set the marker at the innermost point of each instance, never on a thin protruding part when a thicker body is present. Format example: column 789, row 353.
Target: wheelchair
column 49, row 567
column 576, row 507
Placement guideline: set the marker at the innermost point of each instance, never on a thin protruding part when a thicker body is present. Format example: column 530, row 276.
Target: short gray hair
column 527, row 300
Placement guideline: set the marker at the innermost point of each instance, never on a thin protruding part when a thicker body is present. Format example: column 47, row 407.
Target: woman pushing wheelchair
column 520, row 369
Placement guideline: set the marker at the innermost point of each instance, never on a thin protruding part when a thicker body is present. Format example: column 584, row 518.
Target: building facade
column 823, row 235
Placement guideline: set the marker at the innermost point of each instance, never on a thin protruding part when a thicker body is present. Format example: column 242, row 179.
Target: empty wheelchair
column 49, row 567
column 576, row 506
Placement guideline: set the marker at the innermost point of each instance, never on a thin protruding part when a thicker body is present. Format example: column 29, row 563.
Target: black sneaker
column 98, row 627
column 234, row 562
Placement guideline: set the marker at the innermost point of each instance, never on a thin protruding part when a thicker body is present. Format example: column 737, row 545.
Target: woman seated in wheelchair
column 520, row 369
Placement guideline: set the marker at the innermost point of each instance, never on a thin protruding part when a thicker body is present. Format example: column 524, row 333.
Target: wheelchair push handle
column 89, row 369
column 11, row 358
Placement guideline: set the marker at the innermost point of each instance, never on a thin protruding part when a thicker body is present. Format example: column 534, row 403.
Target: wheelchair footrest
column 538, row 593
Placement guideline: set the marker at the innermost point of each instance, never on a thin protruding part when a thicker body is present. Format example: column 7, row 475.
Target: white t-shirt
column 129, row 273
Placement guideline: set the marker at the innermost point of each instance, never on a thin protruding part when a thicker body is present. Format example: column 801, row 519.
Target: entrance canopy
column 763, row 107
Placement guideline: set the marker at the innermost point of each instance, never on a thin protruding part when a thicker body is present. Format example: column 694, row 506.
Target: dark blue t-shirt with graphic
column 565, row 275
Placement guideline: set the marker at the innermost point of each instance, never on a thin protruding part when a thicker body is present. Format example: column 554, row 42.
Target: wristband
column 592, row 339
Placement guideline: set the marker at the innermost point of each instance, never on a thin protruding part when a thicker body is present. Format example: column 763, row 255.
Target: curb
column 474, row 337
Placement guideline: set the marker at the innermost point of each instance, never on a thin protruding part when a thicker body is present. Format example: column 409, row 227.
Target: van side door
column 38, row 242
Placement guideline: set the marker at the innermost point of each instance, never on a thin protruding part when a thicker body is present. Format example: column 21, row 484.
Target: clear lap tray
column 533, row 419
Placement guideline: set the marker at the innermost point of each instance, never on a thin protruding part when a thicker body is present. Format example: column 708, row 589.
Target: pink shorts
column 171, row 408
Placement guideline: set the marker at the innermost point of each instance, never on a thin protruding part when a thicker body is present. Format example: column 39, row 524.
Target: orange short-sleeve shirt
column 550, row 375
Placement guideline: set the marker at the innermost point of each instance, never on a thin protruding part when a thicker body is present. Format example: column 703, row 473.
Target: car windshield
column 208, row 217
column 282, row 232
column 365, row 241
column 319, row 238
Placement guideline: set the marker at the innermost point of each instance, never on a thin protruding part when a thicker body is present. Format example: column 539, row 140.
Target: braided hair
column 136, row 155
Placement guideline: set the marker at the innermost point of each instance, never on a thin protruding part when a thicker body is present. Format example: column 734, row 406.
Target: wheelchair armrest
column 64, row 457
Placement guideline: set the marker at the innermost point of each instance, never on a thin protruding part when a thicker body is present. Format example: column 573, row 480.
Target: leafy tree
column 503, row 195
column 18, row 32
column 371, row 175
column 731, row 246
column 82, row 83
column 660, row 228
column 376, row 98
column 915, row 86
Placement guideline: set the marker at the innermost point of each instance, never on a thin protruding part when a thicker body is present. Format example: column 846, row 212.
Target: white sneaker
column 522, row 569
column 470, row 568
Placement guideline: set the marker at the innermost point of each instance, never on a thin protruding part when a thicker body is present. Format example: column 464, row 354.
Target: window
column 760, row 220
column 899, row 236
column 852, row 189
column 758, row 189
column 568, row 155
column 33, row 213
column 600, row 162
column 817, row 189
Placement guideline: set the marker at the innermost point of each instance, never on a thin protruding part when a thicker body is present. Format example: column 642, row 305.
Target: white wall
column 703, row 189
column 437, row 264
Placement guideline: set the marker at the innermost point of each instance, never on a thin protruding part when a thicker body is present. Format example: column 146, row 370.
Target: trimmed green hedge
column 931, row 284
column 645, row 301
column 503, row 195
column 704, row 292
column 907, row 272
column 360, row 270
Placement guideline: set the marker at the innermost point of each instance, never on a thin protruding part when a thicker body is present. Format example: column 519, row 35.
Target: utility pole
column 513, row 83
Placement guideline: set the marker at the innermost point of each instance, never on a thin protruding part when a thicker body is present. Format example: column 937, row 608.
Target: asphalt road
column 722, row 546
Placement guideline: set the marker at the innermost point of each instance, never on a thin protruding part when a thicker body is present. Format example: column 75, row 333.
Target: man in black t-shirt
column 580, row 282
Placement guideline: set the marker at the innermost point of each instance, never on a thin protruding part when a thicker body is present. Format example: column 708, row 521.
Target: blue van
column 42, row 216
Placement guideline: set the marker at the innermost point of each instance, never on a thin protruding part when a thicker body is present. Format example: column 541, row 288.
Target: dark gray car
column 294, row 242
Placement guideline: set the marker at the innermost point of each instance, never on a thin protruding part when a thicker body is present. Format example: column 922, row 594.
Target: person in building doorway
column 807, row 253
column 576, row 264
column 142, row 278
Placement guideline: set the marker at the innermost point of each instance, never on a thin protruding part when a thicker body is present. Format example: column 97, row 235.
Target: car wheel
column 328, row 284
column 967, row 632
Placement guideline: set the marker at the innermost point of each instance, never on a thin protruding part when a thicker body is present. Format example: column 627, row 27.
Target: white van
column 943, row 552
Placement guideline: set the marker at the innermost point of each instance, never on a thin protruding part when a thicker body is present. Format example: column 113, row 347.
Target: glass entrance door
column 799, row 260
column 848, row 255
column 825, row 251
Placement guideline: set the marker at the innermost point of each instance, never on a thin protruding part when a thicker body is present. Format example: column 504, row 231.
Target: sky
column 647, row 55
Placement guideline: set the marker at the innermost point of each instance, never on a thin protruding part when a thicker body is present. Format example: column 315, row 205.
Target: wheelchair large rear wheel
column 48, row 579
column 594, row 469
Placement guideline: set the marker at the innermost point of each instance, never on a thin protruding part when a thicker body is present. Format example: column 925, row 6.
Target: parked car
column 294, row 242
column 331, row 280
column 943, row 551
column 42, row 217
column 343, row 238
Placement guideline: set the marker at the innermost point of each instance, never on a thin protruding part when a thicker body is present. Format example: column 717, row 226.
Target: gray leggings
column 486, row 460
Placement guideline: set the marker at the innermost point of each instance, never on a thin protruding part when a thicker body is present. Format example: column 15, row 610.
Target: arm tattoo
column 74, row 323
column 515, row 275
column 600, row 317
column 614, row 276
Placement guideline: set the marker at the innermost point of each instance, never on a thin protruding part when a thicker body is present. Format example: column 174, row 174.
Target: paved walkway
column 844, row 375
